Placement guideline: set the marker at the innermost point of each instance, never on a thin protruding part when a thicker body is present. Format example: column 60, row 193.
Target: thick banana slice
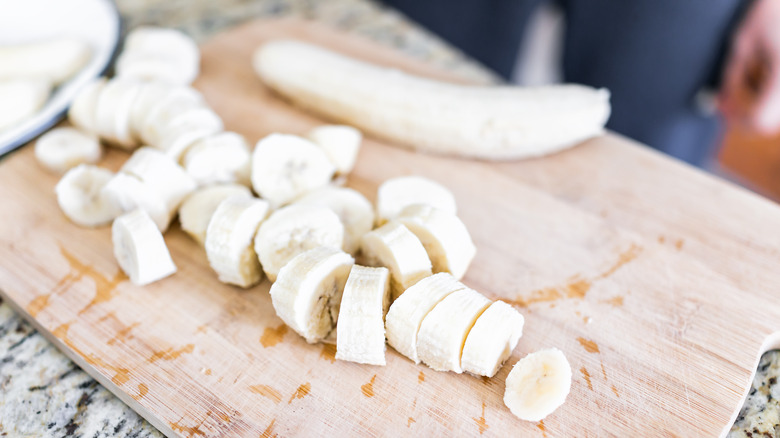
column 112, row 117
column 62, row 149
column 83, row 111
column 307, row 293
column 395, row 247
column 229, row 240
column 159, row 114
column 295, row 229
column 408, row 311
column 126, row 193
column 398, row 193
column 340, row 142
column 55, row 60
column 538, row 384
column 220, row 158
column 20, row 99
column 140, row 249
column 186, row 129
column 445, row 238
column 80, row 196
column 361, row 328
column 155, row 67
column 492, row 339
column 285, row 167
column 444, row 330
column 179, row 52
column 159, row 171
column 196, row 211
column 352, row 208
column 150, row 95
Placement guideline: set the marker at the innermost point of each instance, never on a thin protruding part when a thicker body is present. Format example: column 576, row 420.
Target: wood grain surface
column 657, row 281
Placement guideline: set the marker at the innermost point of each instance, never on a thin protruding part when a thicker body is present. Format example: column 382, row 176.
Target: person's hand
column 750, row 94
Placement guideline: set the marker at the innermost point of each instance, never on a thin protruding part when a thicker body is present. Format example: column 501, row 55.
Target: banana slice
column 285, row 167
column 20, row 99
column 172, row 104
column 157, row 170
column 149, row 96
column 229, row 240
column 220, row 158
column 307, row 294
column 295, row 229
column 408, row 311
column 112, row 117
column 444, row 330
column 83, row 111
column 340, row 142
column 62, row 149
column 155, row 67
column 186, row 129
column 538, row 384
column 492, row 339
column 398, row 193
column 140, row 249
column 179, row 50
column 392, row 245
column 196, row 211
column 126, row 193
column 352, row 208
column 55, row 60
column 80, row 196
column 361, row 328
column 445, row 238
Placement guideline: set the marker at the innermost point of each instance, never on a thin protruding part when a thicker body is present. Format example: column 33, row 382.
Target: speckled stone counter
column 43, row 394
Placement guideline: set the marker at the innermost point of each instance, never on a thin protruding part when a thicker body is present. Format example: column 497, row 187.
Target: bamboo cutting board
column 658, row 282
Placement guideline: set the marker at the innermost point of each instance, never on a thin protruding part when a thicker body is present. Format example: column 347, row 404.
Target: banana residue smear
column 122, row 374
column 301, row 392
column 603, row 371
column 368, row 388
column 272, row 336
column 170, row 353
column 269, row 431
column 421, row 377
column 142, row 391
column 586, row 375
column 123, row 334
column 268, row 392
column 615, row 391
column 191, row 431
column 481, row 423
column 410, row 421
column 616, row 301
column 588, row 345
column 542, row 428
column 328, row 352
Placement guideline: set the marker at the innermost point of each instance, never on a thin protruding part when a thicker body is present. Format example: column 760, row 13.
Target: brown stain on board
column 37, row 304
column 328, row 352
column 586, row 375
column 268, row 392
column 679, row 244
column 603, row 371
column 191, row 431
column 368, row 388
column 207, row 371
column 170, row 353
column 615, row 391
column 142, row 391
column 272, row 336
column 421, row 377
column 121, row 375
column 588, row 345
column 410, row 421
column 269, row 431
column 616, row 301
column 541, row 427
column 481, row 423
column 625, row 257
column 301, row 392
column 123, row 334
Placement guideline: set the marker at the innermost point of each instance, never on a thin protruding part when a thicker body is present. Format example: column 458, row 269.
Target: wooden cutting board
column 656, row 280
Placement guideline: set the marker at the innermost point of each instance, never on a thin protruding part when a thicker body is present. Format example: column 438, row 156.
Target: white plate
column 95, row 21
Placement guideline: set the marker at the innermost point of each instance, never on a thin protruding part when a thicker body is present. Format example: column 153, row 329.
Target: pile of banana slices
column 343, row 270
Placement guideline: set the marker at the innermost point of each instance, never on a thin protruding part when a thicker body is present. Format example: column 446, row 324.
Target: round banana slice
column 169, row 44
column 62, row 149
column 159, row 171
column 126, row 193
column 284, row 167
column 538, row 384
column 83, row 111
column 196, row 211
column 140, row 249
column 112, row 118
column 444, row 330
column 172, row 104
column 186, row 129
column 295, row 229
column 307, row 293
column 220, row 158
column 395, row 247
column 21, row 98
column 408, row 311
column 155, row 67
column 398, row 193
column 80, row 196
column 340, row 142
column 352, row 208
column 445, row 238
column 151, row 94
column 229, row 240
column 361, row 328
column 492, row 339
column 55, row 60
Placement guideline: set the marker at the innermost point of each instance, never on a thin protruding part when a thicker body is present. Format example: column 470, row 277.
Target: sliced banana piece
column 176, row 48
column 295, row 229
column 352, row 208
column 80, row 196
column 398, row 193
column 444, row 330
column 538, row 384
column 285, row 167
column 186, row 129
column 340, row 142
column 172, row 104
column 83, row 111
column 20, row 99
column 229, row 240
column 361, row 328
column 444, row 236
column 126, row 193
column 408, row 311
column 196, row 210
column 149, row 96
column 140, row 249
column 159, row 171
column 155, row 67
column 307, row 293
column 62, row 149
column 112, row 117
column 219, row 158
column 55, row 60
column 395, row 247
column 492, row 339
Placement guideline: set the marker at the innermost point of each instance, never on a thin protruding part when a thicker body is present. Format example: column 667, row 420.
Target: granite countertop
column 43, row 393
